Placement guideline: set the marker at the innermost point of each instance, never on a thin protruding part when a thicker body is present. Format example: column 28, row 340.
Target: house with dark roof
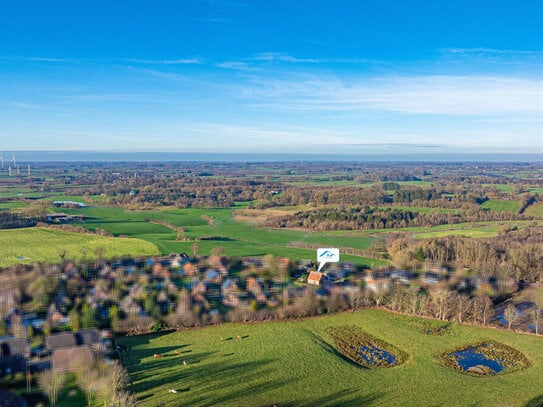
column 378, row 281
column 60, row 341
column 89, row 337
column 14, row 347
column 72, row 359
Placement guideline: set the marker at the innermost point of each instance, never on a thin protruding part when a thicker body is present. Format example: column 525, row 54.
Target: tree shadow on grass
column 140, row 340
column 349, row 397
column 139, row 370
column 209, row 384
column 535, row 402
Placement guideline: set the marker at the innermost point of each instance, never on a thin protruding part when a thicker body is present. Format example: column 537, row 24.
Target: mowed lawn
column 293, row 363
column 40, row 245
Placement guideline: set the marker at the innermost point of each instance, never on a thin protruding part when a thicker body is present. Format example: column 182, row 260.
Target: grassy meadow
column 44, row 245
column 535, row 210
column 495, row 205
column 294, row 363
column 235, row 237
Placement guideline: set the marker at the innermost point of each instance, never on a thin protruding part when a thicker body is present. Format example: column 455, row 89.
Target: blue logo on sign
column 328, row 254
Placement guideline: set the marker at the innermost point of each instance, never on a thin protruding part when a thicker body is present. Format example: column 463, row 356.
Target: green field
column 475, row 229
column 237, row 238
column 535, row 210
column 44, row 245
column 6, row 206
column 293, row 363
column 501, row 206
column 500, row 187
column 423, row 210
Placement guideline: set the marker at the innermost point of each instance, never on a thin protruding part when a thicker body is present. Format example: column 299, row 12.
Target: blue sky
column 311, row 76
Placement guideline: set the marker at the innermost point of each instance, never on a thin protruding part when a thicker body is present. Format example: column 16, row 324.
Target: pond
column 473, row 360
column 364, row 349
column 485, row 358
column 375, row 356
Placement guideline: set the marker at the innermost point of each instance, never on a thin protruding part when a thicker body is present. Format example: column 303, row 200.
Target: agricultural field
column 500, row 187
column 7, row 206
column 45, row 245
column 495, row 205
column 221, row 229
column 277, row 362
column 474, row 229
column 425, row 210
column 535, row 210
column 536, row 190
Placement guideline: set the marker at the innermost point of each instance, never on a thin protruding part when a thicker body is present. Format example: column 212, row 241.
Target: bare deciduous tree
column 52, row 382
column 510, row 314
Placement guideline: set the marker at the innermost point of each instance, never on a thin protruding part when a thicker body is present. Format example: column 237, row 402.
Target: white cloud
column 237, row 65
column 490, row 52
column 182, row 61
column 431, row 95
column 281, row 57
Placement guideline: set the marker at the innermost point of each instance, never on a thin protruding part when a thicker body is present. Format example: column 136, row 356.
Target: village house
column 72, row 359
column 315, row 278
column 403, row 276
column 55, row 317
column 89, row 337
column 190, row 270
column 14, row 347
column 430, row 278
column 378, row 282
column 130, row 307
column 59, row 341
column 254, row 288
column 229, row 292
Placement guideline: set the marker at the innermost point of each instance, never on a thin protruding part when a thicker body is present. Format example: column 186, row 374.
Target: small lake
column 374, row 356
column 472, row 357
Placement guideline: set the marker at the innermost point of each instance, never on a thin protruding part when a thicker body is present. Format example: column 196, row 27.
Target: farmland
column 261, row 368
column 236, row 238
column 45, row 245
column 501, row 206
column 125, row 205
column 399, row 224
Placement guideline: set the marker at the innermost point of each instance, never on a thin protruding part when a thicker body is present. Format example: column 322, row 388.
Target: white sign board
column 327, row 255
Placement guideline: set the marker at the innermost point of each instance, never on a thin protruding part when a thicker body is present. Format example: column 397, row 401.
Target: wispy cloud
column 490, row 52
column 281, row 57
column 431, row 95
column 164, row 75
column 182, row 61
column 260, row 136
column 237, row 65
column 35, row 59
column 276, row 56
